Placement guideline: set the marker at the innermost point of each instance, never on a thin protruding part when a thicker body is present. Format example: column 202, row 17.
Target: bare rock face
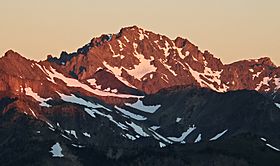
column 150, row 62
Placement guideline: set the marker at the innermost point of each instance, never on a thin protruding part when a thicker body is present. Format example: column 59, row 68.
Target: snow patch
column 70, row 82
column 272, row 147
column 169, row 68
column 139, row 130
column 118, row 55
column 33, row 113
column 72, row 132
column 179, row 50
column 125, row 82
column 165, row 49
column 151, row 76
column 155, row 127
column 183, row 136
column 161, row 145
column 115, row 70
column 52, row 129
column 29, row 92
column 77, row 146
column 139, row 105
column 164, row 77
column 141, row 35
column 277, row 104
column 256, row 75
column 56, row 150
column 159, row 137
column 86, row 134
column 93, row 83
column 263, row 139
column 144, row 67
column 218, row 135
column 93, row 110
column 92, row 113
column 178, row 120
column 265, row 82
column 126, row 39
column 76, row 100
column 131, row 137
column 211, row 76
column 198, row 139
column 194, row 59
column 49, row 124
column 42, row 69
column 121, row 45
column 131, row 115
column 65, row 137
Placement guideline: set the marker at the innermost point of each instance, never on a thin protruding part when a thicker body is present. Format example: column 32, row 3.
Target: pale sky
column 231, row 30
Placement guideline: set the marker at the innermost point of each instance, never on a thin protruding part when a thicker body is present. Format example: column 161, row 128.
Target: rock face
column 138, row 98
column 151, row 62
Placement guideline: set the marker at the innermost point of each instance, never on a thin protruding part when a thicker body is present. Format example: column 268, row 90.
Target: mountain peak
column 132, row 28
column 150, row 62
column 12, row 53
column 266, row 61
column 14, row 56
column 9, row 52
column 126, row 31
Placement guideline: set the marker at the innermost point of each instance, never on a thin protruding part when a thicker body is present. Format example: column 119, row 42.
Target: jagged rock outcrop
column 151, row 62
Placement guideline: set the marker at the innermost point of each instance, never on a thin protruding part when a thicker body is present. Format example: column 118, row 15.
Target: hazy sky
column 231, row 30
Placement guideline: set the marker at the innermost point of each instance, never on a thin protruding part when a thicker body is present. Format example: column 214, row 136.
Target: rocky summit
column 138, row 98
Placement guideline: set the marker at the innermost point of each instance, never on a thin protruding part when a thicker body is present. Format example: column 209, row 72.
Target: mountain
column 138, row 98
column 150, row 62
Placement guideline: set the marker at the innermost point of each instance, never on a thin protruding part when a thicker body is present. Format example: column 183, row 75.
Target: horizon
column 48, row 28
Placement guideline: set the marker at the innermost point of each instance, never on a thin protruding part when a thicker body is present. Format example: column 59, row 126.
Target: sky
column 230, row 29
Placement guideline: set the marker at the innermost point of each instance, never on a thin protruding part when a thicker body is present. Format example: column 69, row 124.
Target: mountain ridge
column 122, row 96
column 149, row 62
